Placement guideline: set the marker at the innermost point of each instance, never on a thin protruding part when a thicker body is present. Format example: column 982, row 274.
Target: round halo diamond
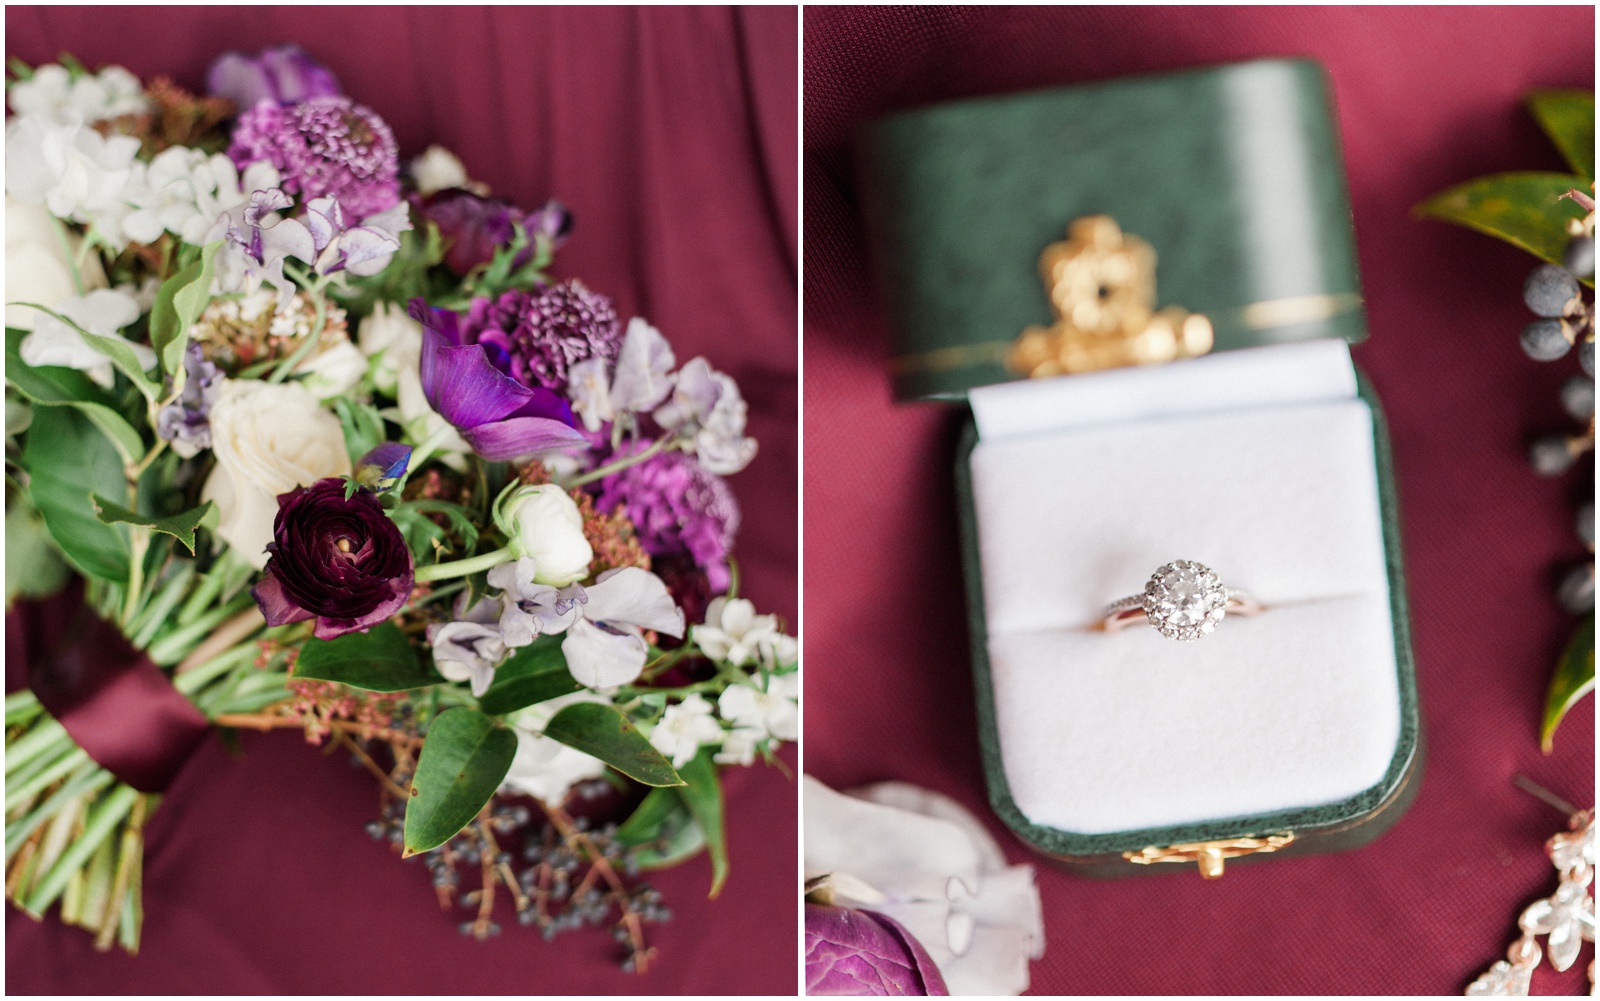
column 1185, row 600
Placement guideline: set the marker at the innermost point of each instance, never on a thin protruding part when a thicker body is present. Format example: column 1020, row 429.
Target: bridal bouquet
column 332, row 451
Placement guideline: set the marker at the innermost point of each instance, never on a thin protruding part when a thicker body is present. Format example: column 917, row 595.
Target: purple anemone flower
column 284, row 74
column 864, row 953
column 498, row 416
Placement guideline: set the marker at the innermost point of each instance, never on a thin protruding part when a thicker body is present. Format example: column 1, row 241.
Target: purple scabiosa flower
column 536, row 337
column 498, row 416
column 678, row 507
column 851, row 953
column 186, row 422
column 284, row 74
column 324, row 146
column 338, row 559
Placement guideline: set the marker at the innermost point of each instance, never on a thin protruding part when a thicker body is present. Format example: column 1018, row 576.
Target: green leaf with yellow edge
column 179, row 526
column 1524, row 209
column 602, row 731
column 1574, row 678
column 703, row 796
column 464, row 759
column 1567, row 117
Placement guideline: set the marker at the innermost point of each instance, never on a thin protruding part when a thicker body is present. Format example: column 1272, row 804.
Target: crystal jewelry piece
column 1184, row 600
column 1566, row 917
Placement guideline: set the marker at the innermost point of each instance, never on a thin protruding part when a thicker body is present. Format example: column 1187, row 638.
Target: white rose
column 268, row 439
column 39, row 255
column 544, row 523
column 333, row 371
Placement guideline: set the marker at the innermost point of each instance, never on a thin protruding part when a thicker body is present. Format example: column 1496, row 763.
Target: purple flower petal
column 285, row 74
column 462, row 385
column 520, row 436
column 852, row 953
column 331, row 628
column 275, row 604
column 546, row 404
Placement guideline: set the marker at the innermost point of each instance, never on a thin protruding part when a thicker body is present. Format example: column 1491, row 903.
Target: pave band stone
column 1183, row 599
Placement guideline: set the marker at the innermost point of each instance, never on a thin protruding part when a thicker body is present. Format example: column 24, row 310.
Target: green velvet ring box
column 1145, row 291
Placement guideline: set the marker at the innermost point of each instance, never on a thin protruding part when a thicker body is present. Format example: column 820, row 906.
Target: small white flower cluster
column 762, row 709
column 92, row 97
column 699, row 404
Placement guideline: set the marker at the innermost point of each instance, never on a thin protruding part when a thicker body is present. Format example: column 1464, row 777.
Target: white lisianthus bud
column 543, row 523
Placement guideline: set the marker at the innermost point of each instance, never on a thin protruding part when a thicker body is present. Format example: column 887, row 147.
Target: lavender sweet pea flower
column 706, row 405
column 284, row 74
column 470, row 648
column 499, row 417
column 255, row 247
column 363, row 250
column 186, row 422
column 530, row 610
column 851, row 953
column 606, row 647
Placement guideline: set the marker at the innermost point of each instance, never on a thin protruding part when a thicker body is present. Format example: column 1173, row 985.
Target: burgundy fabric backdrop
column 1427, row 97
column 671, row 135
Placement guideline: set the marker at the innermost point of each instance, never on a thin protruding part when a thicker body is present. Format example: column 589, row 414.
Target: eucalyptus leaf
column 68, row 460
column 702, row 794
column 179, row 302
column 378, row 660
column 1574, row 678
column 1525, row 209
column 1567, row 117
column 662, row 831
column 535, row 673
column 464, row 759
column 603, row 732
column 179, row 526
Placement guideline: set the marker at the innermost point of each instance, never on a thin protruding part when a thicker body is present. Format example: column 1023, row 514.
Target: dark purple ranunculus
column 498, row 416
column 337, row 559
column 284, row 74
column 852, row 953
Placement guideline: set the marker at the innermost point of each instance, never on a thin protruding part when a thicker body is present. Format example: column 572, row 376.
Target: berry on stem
column 1549, row 290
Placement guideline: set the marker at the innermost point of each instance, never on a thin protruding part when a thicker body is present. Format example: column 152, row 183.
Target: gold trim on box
column 1210, row 855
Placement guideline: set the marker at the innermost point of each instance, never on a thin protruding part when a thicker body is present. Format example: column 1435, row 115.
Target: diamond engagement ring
column 1184, row 600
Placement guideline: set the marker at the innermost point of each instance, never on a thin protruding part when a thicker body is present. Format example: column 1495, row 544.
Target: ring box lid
column 1233, row 175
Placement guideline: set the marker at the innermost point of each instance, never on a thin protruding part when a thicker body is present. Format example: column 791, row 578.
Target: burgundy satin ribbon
column 114, row 702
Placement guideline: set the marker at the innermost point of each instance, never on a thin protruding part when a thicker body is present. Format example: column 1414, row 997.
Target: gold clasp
column 1209, row 855
column 1102, row 285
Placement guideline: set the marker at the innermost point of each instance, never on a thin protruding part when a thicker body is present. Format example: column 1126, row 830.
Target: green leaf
column 179, row 302
column 1567, row 117
column 1524, row 209
column 1574, row 678
column 703, row 796
column 378, row 660
column 536, row 673
column 179, row 526
column 33, row 565
column 116, row 348
column 51, row 386
column 67, row 461
column 662, row 831
column 603, row 732
column 464, row 759
column 363, row 428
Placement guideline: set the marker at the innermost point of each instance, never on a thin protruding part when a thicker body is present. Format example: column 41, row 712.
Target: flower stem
column 313, row 338
column 462, row 568
column 424, row 451
column 601, row 472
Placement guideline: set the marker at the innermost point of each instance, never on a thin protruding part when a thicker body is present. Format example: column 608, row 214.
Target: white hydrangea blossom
column 774, row 712
column 684, row 727
column 734, row 633
column 51, row 91
column 72, row 170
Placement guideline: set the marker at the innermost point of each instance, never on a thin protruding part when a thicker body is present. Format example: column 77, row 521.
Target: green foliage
column 378, row 660
column 363, row 427
column 1574, row 678
column 662, row 830
column 53, row 386
column 1567, row 117
column 535, row 673
column 33, row 564
column 179, row 526
column 603, row 732
column 179, row 302
column 1524, row 209
column 68, row 460
column 464, row 759
column 501, row 274
column 118, row 349
column 426, row 538
column 703, row 796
